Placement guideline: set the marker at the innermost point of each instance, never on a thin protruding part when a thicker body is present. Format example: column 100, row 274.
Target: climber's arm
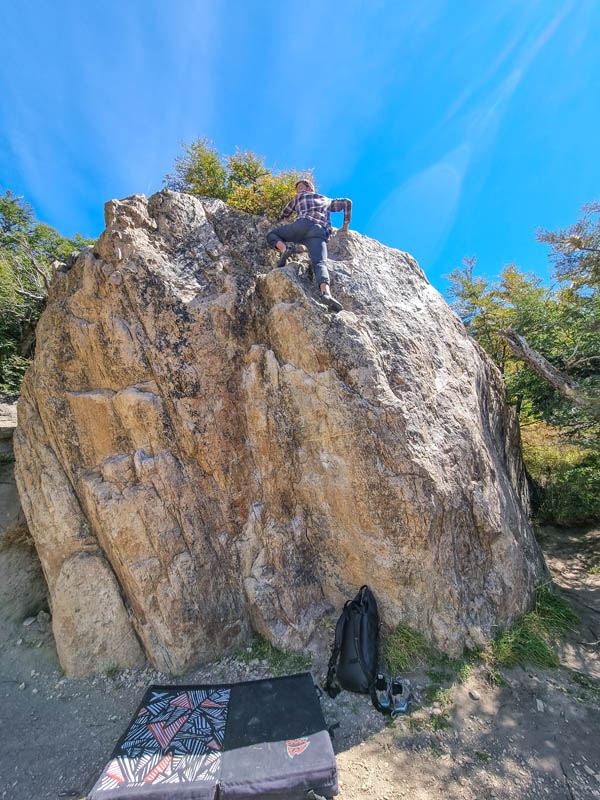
column 343, row 204
column 288, row 209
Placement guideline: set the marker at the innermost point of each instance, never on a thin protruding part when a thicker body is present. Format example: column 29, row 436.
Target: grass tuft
column 405, row 649
column 554, row 612
column 112, row 671
column 415, row 724
column 528, row 641
column 463, row 673
column 592, row 685
column 439, row 723
column 521, row 645
column 439, row 675
column 279, row 661
column 435, row 694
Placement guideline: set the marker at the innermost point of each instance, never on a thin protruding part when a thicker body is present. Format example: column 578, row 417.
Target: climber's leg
column 294, row 232
column 317, row 249
column 285, row 237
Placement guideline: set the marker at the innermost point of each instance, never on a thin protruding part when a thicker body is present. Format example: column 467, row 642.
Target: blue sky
column 456, row 127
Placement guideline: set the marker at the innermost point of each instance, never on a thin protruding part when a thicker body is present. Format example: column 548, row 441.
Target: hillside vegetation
column 27, row 250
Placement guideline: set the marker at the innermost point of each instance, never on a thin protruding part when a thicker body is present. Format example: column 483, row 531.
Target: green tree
column 242, row 180
column 487, row 308
column 545, row 340
column 200, row 170
column 27, row 250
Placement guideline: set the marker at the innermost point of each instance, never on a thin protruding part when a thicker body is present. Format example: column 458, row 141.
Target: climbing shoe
column 290, row 249
column 331, row 303
column 400, row 695
column 383, row 692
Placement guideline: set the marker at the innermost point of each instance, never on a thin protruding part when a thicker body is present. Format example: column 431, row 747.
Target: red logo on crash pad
column 296, row 746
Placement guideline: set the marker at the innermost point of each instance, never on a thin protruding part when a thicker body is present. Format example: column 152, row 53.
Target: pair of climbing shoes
column 391, row 695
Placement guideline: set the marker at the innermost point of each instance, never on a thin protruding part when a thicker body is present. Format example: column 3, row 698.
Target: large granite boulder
column 204, row 450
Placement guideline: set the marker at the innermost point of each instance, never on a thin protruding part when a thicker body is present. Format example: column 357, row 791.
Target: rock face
column 204, row 450
column 23, row 590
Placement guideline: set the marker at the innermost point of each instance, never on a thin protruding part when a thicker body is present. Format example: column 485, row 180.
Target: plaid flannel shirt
column 317, row 208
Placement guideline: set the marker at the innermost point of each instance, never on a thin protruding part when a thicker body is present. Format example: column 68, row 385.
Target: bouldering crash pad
column 246, row 740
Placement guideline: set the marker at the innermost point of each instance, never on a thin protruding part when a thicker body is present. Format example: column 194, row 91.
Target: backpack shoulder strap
column 331, row 686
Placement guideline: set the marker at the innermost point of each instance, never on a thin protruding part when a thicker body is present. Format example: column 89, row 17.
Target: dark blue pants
column 304, row 231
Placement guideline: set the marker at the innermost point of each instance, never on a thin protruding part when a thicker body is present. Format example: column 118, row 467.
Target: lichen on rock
column 200, row 431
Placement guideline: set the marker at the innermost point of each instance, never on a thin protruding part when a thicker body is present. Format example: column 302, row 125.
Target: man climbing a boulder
column 312, row 230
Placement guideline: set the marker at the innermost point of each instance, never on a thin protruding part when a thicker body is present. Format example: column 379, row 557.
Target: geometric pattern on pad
column 177, row 737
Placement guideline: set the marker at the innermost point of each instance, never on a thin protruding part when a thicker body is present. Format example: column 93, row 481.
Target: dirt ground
column 535, row 736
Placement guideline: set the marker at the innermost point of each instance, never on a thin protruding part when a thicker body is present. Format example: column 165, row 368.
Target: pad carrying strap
column 332, row 686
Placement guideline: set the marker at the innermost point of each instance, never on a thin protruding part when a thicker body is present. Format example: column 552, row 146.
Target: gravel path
column 536, row 736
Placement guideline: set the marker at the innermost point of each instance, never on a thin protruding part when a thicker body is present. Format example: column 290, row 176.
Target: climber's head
column 304, row 186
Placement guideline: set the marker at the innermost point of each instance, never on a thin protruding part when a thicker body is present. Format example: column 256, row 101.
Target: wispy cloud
column 367, row 51
column 432, row 197
column 523, row 45
column 427, row 201
column 106, row 118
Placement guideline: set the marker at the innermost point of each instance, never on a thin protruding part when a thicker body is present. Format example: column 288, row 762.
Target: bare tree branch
column 583, row 360
column 569, row 360
column 25, row 293
column 569, row 388
column 40, row 272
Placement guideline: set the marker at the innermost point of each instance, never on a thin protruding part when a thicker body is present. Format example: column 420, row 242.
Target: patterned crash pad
column 259, row 739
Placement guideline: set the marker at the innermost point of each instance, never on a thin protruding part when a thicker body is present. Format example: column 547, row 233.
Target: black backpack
column 353, row 662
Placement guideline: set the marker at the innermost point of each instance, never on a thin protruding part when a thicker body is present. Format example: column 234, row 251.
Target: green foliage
column 522, row 644
column 463, row 672
column 435, row 694
column 440, row 722
column 554, row 612
column 438, row 675
column 562, row 323
column 566, row 477
column 27, row 250
column 587, row 682
column 279, row 661
column 7, row 458
column 487, row 307
column 12, row 369
column 528, row 641
column 199, row 171
column 405, row 649
column 242, row 180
